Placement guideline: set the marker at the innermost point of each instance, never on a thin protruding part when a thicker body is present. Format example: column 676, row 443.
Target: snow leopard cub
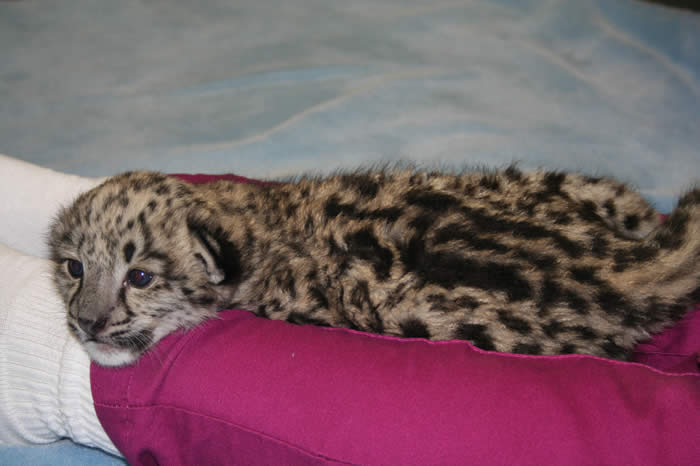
column 536, row 263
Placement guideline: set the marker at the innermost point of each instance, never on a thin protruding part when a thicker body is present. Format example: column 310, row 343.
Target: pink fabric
column 675, row 350
column 201, row 178
column 247, row 390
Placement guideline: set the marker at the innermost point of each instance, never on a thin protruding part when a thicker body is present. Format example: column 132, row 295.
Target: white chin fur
column 109, row 356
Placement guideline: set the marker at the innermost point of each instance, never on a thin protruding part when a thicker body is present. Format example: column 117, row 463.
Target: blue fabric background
column 269, row 88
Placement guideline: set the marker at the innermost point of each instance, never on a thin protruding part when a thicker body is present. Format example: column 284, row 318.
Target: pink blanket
column 247, row 390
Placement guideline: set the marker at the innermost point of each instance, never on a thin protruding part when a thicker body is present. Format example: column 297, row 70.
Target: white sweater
column 44, row 373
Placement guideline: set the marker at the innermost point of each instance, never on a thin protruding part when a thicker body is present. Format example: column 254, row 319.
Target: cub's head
column 136, row 258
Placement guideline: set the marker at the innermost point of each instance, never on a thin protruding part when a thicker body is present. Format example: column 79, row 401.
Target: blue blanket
column 270, row 88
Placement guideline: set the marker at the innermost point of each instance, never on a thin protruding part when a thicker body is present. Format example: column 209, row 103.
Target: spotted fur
column 536, row 263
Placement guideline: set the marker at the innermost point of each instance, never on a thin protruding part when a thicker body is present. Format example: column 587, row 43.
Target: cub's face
column 133, row 264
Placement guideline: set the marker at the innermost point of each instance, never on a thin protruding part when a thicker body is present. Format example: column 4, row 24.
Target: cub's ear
column 220, row 258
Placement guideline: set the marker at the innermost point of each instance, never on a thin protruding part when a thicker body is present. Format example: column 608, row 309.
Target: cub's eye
column 139, row 278
column 75, row 268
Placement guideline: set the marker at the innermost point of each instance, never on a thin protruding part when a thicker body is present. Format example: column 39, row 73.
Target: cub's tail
column 664, row 269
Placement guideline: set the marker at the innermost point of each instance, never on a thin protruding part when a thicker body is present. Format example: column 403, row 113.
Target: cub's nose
column 92, row 326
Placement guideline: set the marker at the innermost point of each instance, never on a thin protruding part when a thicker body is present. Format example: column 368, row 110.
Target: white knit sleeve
column 44, row 373
column 30, row 197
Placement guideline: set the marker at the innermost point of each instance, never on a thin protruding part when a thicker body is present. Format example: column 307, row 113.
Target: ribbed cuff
column 44, row 373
